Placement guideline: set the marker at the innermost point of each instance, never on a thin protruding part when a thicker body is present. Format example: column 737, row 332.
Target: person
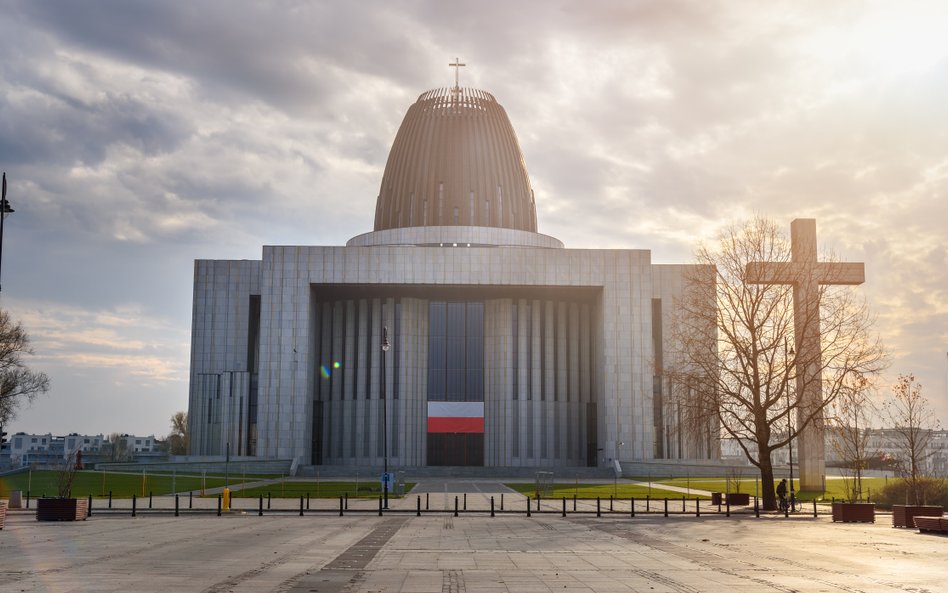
column 782, row 492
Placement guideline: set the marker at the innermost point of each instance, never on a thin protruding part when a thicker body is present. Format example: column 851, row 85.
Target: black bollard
column 268, row 501
column 380, row 506
column 697, row 507
column 632, row 507
column 574, row 503
column 89, row 508
column 307, row 501
column 218, row 505
column 719, row 504
column 564, row 506
column 501, row 501
column 149, row 499
column 598, row 510
column 28, row 500
column 728, row 514
column 340, row 506
column 427, row 499
column 260, row 507
column 347, row 501
column 666, row 507
column 683, row 504
column 455, row 506
column 190, row 500
column 814, row 508
column 528, row 506
column 610, row 503
column 757, row 507
column 177, row 511
column 134, row 503
column 418, row 508
column 491, row 506
column 301, row 506
column 465, row 501
column 648, row 502
column 110, row 499
column 786, row 511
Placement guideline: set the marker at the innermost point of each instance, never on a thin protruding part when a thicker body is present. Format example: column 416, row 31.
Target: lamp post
column 789, row 354
column 4, row 210
column 385, row 348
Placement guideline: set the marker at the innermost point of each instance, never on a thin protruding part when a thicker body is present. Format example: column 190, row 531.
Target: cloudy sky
column 138, row 136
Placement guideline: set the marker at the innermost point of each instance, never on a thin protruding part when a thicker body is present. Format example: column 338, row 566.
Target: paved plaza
column 326, row 553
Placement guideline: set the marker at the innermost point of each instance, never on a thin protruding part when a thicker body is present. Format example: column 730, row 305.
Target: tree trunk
column 767, row 481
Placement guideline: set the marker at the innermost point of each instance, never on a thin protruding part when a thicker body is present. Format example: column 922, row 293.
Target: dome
column 455, row 161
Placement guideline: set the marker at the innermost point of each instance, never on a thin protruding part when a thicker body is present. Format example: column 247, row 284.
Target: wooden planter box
column 903, row 515
column 854, row 512
column 61, row 509
column 931, row 524
column 3, row 512
column 738, row 498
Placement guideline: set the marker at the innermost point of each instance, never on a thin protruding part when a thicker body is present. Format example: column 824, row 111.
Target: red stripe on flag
column 456, row 425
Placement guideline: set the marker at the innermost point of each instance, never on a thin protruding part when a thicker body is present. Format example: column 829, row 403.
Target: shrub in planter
column 897, row 492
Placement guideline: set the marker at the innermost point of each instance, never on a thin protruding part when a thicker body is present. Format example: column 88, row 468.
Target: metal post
column 340, row 506
column 176, row 506
column 564, row 506
column 632, row 507
column 610, row 503
column 418, row 508
column 4, row 210
column 728, row 501
column 347, row 501
column 110, row 499
column 491, row 506
column 89, row 509
column 149, row 499
column 218, row 505
column 385, row 348
column 380, row 506
column 501, row 501
column 134, row 503
column 666, row 507
column 528, row 506
column 648, row 502
column 682, row 504
column 757, row 507
column 301, row 506
column 465, row 501
column 260, row 507
column 574, row 503
column 307, row 501
column 455, row 506
column 697, row 507
column 191, row 500
column 598, row 510
column 268, row 501
column 428, row 500
column 814, row 508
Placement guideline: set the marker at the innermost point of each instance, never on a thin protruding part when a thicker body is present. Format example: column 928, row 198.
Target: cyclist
column 782, row 493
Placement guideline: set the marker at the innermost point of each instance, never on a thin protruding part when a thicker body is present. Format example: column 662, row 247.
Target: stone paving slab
column 545, row 553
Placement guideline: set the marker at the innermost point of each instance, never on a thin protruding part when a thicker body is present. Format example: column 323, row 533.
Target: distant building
column 48, row 450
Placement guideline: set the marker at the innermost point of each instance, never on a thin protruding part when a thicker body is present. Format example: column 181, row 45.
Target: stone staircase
column 456, row 472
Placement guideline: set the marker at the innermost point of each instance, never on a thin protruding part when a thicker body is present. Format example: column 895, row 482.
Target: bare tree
column 17, row 381
column 178, row 438
column 852, row 413
column 913, row 421
column 117, row 447
column 733, row 361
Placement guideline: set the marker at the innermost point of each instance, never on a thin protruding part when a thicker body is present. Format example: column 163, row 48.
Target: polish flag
column 456, row 417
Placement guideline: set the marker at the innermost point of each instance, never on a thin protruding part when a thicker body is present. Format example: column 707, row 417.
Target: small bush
column 935, row 492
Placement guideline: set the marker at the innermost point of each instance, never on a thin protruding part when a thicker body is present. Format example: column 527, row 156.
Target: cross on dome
column 457, row 65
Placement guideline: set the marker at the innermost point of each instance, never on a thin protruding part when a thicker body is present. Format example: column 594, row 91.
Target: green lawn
column 98, row 484
column 604, row 491
column 835, row 488
column 317, row 489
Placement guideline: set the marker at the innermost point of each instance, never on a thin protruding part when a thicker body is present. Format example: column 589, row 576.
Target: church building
column 453, row 334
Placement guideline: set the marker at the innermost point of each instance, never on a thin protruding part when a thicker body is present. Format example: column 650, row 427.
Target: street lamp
column 4, row 210
column 787, row 355
column 385, row 348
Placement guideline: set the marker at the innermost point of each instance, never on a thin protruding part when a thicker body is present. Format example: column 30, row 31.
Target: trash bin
column 715, row 498
column 16, row 499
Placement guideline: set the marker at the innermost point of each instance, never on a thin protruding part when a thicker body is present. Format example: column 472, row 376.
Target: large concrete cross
column 806, row 274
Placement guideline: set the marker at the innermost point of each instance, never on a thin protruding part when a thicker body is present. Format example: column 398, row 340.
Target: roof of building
column 456, row 161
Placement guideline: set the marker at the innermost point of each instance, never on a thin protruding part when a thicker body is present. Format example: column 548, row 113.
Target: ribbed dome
column 455, row 162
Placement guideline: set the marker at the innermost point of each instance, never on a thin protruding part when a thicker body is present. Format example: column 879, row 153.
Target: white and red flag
column 456, row 417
